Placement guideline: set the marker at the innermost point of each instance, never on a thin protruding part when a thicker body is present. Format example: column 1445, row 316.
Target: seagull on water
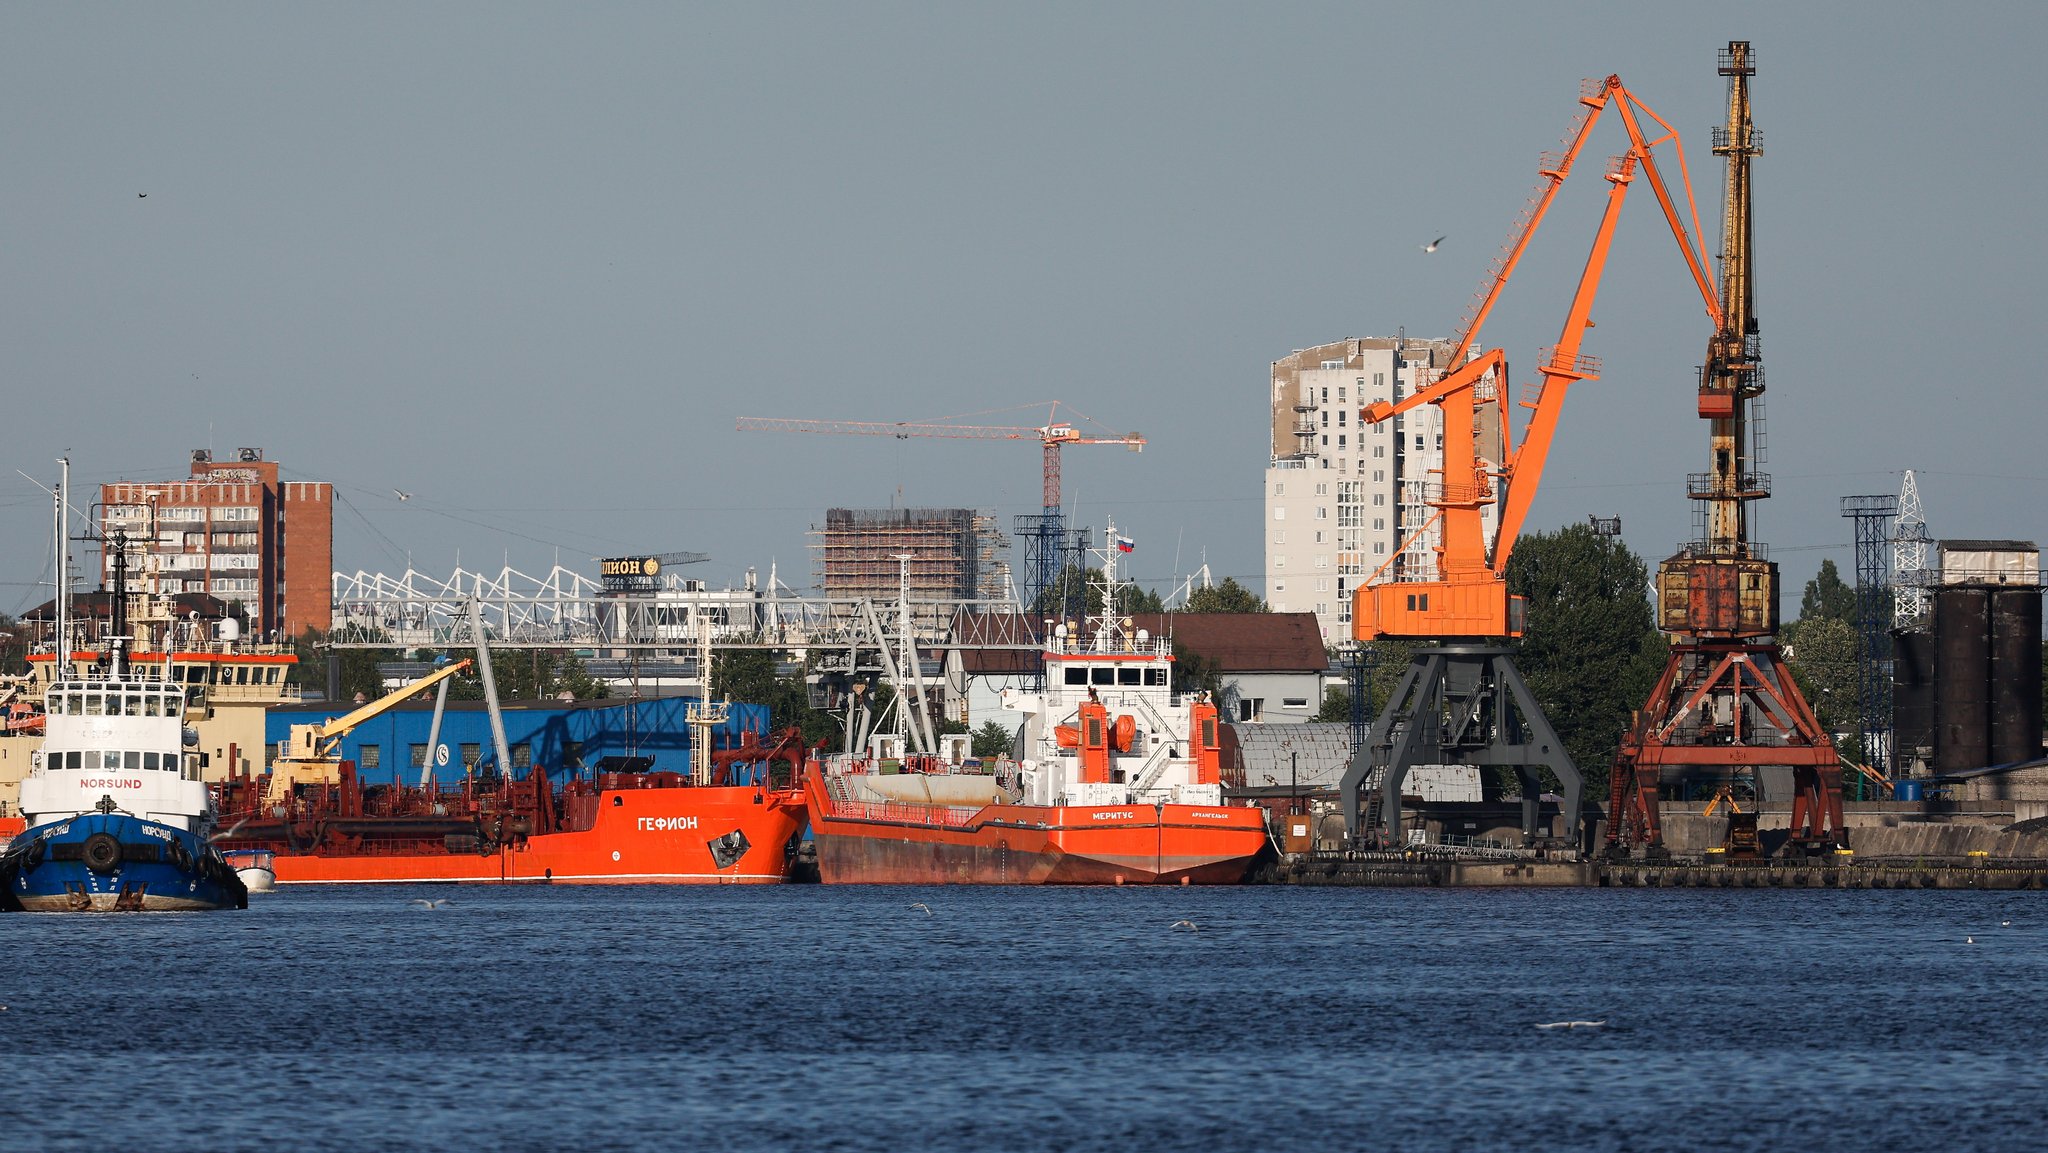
column 433, row 903
column 921, row 905
column 1431, row 246
column 1573, row 1024
column 401, row 494
column 1969, row 940
column 1186, row 925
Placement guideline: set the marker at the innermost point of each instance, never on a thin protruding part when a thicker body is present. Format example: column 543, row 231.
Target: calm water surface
column 819, row 1018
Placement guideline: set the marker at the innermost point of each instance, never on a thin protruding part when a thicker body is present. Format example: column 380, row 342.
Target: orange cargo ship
column 624, row 828
column 1120, row 782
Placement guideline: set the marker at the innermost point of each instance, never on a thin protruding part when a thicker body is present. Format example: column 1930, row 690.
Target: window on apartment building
column 1326, row 418
column 1322, row 560
column 1280, row 512
column 1340, row 393
column 1250, row 708
column 1379, row 474
column 1326, row 440
column 1379, row 498
column 369, row 756
column 1279, row 562
column 1319, row 536
column 1279, row 488
column 1323, row 489
column 1322, row 584
column 1326, row 463
column 1340, row 441
column 1418, row 442
column 1279, row 586
column 1340, row 416
column 1379, row 548
column 1379, row 450
column 1322, row 512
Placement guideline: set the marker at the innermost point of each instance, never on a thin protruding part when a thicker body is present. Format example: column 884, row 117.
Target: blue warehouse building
column 564, row 738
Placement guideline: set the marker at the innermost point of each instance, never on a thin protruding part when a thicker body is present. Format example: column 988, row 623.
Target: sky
column 528, row 262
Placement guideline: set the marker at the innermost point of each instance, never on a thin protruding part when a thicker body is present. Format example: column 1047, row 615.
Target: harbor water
column 826, row 1018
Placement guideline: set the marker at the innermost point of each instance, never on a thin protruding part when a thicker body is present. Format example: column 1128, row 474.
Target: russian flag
column 1125, row 544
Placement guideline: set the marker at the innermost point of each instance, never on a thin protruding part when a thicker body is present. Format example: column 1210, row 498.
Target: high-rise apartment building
column 233, row 530
column 1347, row 502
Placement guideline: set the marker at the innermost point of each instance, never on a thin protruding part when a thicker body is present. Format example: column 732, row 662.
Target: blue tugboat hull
column 112, row 862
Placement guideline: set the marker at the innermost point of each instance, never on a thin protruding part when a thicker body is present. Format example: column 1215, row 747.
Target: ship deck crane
column 1462, row 699
column 309, row 756
column 1045, row 530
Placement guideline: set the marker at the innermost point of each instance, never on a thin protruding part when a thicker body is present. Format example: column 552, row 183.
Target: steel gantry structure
column 1726, row 713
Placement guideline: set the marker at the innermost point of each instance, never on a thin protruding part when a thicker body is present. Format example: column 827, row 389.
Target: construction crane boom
column 1047, row 526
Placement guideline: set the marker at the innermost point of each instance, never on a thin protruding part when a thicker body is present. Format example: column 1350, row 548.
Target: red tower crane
column 1046, row 529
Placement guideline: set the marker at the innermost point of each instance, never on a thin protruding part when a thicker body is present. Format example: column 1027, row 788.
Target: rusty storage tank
column 2015, row 674
column 1913, row 697
column 1962, row 678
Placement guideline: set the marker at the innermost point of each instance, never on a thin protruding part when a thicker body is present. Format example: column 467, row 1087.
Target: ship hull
column 862, row 843
column 656, row 836
column 112, row 862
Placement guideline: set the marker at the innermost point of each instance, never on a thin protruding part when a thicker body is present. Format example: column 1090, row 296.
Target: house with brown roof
column 1271, row 665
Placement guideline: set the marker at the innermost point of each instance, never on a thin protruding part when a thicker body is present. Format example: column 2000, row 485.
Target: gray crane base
column 1477, row 710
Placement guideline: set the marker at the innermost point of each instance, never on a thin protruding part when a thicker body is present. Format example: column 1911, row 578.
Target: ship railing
column 895, row 812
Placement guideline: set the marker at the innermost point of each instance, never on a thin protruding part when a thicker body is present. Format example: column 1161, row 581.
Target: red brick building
column 234, row 531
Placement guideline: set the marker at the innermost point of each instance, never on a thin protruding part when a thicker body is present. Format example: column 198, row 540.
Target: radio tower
column 1726, row 713
column 1909, row 560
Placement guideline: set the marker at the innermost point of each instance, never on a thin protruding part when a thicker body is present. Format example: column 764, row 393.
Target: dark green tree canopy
column 992, row 739
column 1828, row 597
column 1228, row 597
column 1077, row 593
column 1591, row 650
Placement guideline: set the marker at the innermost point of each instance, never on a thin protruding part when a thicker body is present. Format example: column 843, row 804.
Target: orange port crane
column 1045, row 530
column 1461, row 699
column 1469, row 596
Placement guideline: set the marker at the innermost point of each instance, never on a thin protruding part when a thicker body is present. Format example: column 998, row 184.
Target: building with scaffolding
column 1342, row 497
column 951, row 553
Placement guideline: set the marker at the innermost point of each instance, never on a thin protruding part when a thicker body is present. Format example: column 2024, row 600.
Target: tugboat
column 117, row 816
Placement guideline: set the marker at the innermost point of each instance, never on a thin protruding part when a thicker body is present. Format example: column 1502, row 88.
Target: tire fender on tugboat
column 102, row 853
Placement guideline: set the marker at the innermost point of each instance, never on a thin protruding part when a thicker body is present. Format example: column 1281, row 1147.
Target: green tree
column 357, row 668
column 1822, row 653
column 1336, row 706
column 1591, row 650
column 1077, row 593
column 1826, row 596
column 992, row 739
column 1228, row 597
column 1194, row 672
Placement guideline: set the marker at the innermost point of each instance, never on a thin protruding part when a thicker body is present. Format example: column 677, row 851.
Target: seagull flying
column 1431, row 246
column 142, row 196
column 1573, row 1024
column 921, row 905
column 229, row 832
column 1186, row 925
column 434, row 903
column 401, row 494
